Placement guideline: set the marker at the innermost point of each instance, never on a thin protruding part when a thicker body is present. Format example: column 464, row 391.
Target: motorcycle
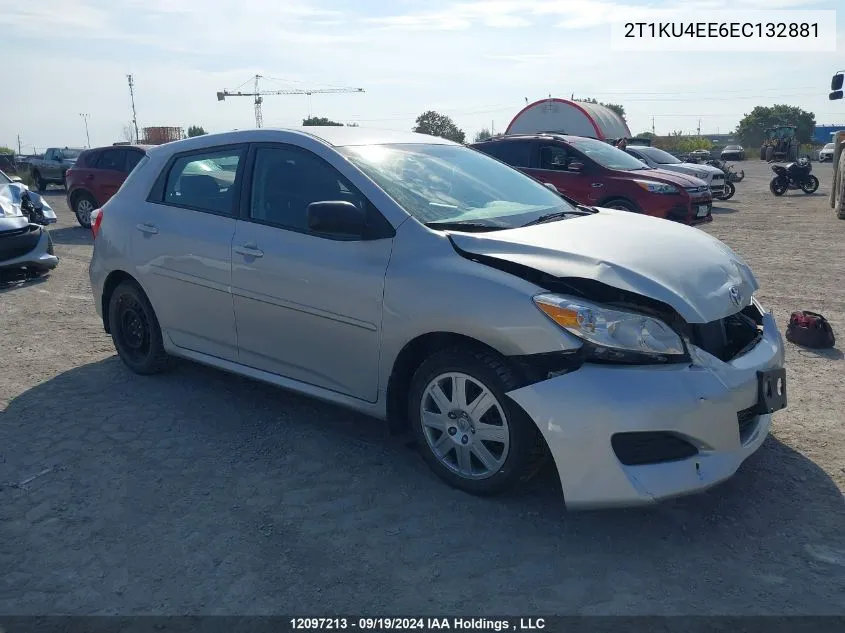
column 730, row 174
column 793, row 176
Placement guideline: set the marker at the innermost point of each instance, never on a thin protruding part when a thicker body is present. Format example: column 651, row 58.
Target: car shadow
column 723, row 210
column 72, row 236
column 830, row 353
column 7, row 285
column 201, row 448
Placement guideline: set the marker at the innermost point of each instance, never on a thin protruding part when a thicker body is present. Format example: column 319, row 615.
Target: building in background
column 161, row 135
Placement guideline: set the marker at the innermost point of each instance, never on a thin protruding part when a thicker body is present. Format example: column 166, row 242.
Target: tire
column 40, row 183
column 83, row 205
column 135, row 330
column 730, row 190
column 810, row 185
column 621, row 205
column 792, row 153
column 516, row 453
column 778, row 186
column 762, row 153
column 770, row 152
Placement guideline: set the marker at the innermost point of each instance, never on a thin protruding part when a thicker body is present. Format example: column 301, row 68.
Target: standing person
column 622, row 143
column 837, row 191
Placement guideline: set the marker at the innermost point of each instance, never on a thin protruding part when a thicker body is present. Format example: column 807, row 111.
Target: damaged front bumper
column 635, row 435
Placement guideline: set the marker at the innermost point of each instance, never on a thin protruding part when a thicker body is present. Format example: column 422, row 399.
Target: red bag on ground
column 810, row 329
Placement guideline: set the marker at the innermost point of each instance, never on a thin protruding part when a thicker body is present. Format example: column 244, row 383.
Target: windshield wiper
column 560, row 215
column 464, row 226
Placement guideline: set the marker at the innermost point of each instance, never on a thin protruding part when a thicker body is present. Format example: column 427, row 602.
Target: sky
column 476, row 61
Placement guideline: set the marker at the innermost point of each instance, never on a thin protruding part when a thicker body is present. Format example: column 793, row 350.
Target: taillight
column 68, row 173
column 96, row 220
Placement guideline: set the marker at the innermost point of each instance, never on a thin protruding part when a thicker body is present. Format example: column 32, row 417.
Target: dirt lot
column 199, row 492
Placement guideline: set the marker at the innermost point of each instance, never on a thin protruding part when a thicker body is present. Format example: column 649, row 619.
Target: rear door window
column 133, row 157
column 204, row 181
column 554, row 157
column 113, row 160
column 514, row 153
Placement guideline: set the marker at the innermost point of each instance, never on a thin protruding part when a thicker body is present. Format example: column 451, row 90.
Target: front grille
column 697, row 190
column 727, row 338
column 18, row 242
column 650, row 447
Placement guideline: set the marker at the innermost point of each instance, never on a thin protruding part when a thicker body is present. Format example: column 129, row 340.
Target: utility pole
column 652, row 126
column 699, row 128
column 85, row 118
column 19, row 144
column 132, row 98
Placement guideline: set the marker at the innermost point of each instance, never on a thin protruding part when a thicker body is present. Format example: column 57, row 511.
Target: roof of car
column 140, row 146
column 553, row 135
column 336, row 136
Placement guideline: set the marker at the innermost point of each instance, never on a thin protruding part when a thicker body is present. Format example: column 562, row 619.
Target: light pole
column 85, row 118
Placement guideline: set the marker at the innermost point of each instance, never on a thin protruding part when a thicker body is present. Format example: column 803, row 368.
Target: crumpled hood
column 679, row 265
column 12, row 194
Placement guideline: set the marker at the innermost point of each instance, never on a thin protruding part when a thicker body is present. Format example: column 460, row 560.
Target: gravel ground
column 199, row 492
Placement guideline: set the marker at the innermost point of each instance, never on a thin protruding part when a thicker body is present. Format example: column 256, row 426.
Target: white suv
column 658, row 159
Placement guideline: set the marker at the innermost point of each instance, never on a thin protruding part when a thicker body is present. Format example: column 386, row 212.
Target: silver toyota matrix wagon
column 422, row 282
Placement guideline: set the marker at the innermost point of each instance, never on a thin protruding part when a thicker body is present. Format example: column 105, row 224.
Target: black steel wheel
column 135, row 330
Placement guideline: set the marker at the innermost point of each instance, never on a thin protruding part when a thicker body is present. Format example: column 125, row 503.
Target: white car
column 826, row 153
column 658, row 159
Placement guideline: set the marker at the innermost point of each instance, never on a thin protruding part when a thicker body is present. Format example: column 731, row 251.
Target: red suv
column 97, row 175
column 597, row 174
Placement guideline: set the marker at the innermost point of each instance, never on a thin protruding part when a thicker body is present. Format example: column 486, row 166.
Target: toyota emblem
column 736, row 296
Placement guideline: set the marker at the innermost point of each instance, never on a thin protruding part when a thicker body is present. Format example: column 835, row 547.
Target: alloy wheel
column 83, row 211
column 465, row 425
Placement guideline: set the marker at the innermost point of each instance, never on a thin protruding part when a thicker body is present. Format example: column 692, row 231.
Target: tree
column 650, row 135
column 752, row 128
column 351, row 125
column 483, row 135
column 6, row 150
column 436, row 124
column 196, row 130
column 128, row 134
column 618, row 109
column 320, row 120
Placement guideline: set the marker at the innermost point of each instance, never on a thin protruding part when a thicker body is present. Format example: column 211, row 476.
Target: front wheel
column 810, row 185
column 620, row 205
column 135, row 330
column 730, row 190
column 738, row 176
column 778, row 186
column 470, row 434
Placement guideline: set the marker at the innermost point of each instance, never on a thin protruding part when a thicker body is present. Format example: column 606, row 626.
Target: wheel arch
column 80, row 191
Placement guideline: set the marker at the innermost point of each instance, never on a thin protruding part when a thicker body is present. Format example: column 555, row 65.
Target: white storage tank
column 562, row 116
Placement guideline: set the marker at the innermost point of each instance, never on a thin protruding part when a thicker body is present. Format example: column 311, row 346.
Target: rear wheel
column 470, row 434
column 730, row 190
column 40, row 183
column 83, row 206
column 135, row 330
column 810, row 185
column 778, row 186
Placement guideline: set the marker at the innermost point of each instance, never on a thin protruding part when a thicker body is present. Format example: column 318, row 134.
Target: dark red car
column 97, row 175
column 597, row 174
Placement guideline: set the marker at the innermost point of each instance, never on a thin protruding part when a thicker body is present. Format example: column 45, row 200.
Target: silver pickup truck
column 51, row 168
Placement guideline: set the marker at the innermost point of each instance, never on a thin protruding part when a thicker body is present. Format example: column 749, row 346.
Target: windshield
column 606, row 155
column 70, row 153
column 4, row 179
column 658, row 156
column 733, row 147
column 829, row 146
column 454, row 184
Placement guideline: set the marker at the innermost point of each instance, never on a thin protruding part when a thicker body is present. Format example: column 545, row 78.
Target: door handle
column 249, row 250
column 597, row 185
column 147, row 228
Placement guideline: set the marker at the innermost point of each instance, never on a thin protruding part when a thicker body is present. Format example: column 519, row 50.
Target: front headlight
column 657, row 187
column 613, row 335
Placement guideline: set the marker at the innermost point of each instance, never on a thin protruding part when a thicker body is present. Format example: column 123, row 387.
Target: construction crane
column 259, row 95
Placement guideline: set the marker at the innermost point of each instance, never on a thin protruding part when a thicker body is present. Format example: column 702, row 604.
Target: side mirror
column 575, row 167
column 833, row 96
column 336, row 217
column 57, row 158
column 550, row 186
column 837, row 81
